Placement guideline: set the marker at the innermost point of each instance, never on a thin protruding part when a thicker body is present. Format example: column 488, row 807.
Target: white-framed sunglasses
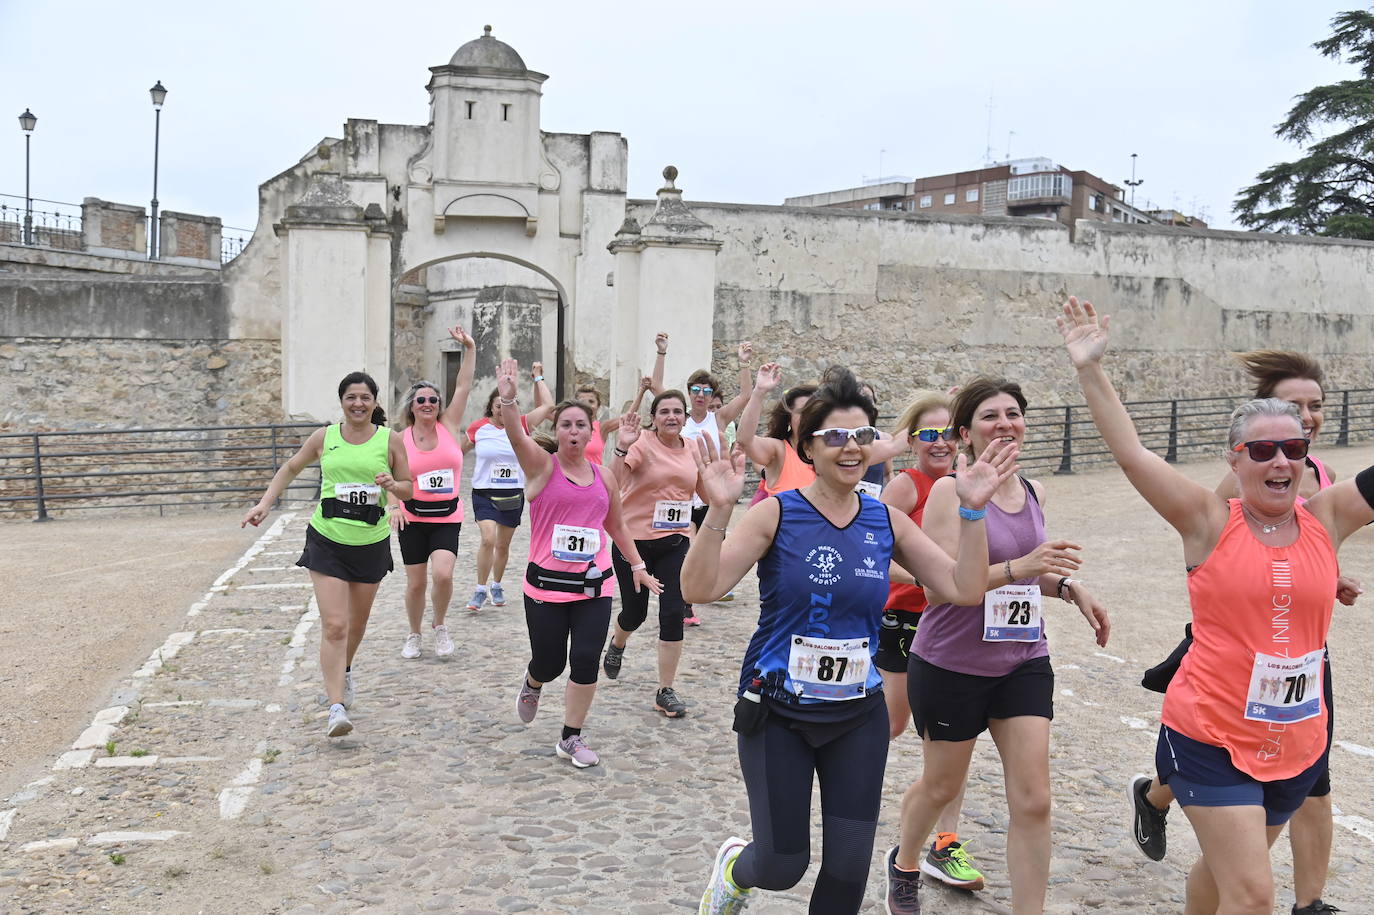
column 838, row 438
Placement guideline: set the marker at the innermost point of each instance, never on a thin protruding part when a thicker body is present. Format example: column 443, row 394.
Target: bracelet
column 639, row 568
column 506, row 403
column 712, row 526
column 538, row 377
column 622, row 453
column 972, row 514
column 1010, row 577
column 1065, row 584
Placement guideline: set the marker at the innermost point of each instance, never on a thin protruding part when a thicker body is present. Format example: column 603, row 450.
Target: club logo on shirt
column 868, row 537
column 824, row 559
column 871, row 571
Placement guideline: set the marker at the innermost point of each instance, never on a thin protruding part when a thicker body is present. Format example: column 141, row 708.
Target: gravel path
column 205, row 784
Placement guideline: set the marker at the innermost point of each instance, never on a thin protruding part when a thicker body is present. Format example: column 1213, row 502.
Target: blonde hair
column 919, row 407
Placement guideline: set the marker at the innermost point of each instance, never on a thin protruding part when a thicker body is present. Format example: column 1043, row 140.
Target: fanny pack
column 508, row 503
column 1157, row 678
column 367, row 514
column 588, row 582
column 431, row 509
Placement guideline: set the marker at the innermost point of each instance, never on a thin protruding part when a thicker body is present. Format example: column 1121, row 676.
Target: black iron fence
column 45, row 473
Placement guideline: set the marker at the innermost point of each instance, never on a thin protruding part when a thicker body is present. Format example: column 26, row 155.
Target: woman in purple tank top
column 574, row 511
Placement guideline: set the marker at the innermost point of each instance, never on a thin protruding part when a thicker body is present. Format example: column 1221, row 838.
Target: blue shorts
column 1203, row 775
column 504, row 506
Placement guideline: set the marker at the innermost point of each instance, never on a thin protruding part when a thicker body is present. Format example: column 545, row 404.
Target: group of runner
column 924, row 603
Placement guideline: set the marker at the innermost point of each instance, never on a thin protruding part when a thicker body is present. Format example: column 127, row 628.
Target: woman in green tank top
column 348, row 542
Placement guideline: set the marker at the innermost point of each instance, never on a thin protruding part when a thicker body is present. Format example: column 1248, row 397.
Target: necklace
column 1269, row 528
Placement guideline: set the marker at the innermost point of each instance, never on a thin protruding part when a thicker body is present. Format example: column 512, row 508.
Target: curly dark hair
column 839, row 390
column 780, row 417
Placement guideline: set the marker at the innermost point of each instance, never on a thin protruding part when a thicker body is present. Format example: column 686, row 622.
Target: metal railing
column 55, row 224
column 44, row 473
column 232, row 241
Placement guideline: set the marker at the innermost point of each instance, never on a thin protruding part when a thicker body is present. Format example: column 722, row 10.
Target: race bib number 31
column 672, row 516
column 1285, row 689
column 1012, row 614
column 575, row 544
column 830, row 669
column 357, row 493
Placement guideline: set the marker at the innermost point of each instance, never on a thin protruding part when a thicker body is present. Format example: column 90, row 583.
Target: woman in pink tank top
column 428, row 524
column 574, row 511
column 1244, row 722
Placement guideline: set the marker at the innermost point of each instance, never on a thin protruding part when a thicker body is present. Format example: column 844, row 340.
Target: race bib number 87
column 830, row 669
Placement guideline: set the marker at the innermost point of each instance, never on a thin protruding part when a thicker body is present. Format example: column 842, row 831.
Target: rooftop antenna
column 987, row 153
column 1134, row 182
column 1010, row 134
column 881, row 153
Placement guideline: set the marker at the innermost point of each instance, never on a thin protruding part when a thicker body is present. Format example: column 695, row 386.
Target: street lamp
column 159, row 95
column 1134, row 182
column 27, row 122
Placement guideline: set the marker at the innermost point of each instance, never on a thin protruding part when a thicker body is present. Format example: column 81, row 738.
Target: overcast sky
column 753, row 101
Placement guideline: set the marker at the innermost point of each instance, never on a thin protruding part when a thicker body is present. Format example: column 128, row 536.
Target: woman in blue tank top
column 810, row 700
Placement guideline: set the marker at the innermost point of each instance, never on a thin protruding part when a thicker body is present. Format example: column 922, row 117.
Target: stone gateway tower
column 371, row 247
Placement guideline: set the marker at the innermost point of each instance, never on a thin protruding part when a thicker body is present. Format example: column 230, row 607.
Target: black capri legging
column 663, row 558
column 566, row 634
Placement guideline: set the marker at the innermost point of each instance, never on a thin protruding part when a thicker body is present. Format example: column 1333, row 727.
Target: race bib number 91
column 672, row 516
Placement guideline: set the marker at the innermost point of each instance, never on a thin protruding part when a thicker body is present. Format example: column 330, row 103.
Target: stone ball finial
column 670, row 175
column 486, row 31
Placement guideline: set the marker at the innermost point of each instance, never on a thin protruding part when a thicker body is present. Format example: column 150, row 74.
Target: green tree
column 1330, row 190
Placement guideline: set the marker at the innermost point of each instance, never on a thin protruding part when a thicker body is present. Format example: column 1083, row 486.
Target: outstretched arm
column 543, row 397
column 763, row 451
column 535, row 462
column 713, row 566
column 307, row 454
column 656, row 381
column 462, row 382
column 730, row 411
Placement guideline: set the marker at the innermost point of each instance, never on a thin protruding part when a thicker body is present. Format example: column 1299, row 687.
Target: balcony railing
column 54, row 224
column 1038, row 186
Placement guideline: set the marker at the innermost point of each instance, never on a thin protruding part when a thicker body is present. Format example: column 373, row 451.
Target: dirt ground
column 84, row 602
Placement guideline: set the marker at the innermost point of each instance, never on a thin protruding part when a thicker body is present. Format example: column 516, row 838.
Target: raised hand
column 721, row 475
column 661, row 343
column 975, row 483
column 506, row 374
column 628, row 432
column 646, row 383
column 463, row 337
column 769, row 377
column 1053, row 557
column 746, row 352
column 537, row 370
column 1085, row 337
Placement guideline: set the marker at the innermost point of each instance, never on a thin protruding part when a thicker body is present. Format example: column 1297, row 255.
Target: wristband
column 639, row 568
column 1065, row 584
column 712, row 526
column 538, row 377
column 972, row 514
column 622, row 453
column 1007, row 566
column 506, row 403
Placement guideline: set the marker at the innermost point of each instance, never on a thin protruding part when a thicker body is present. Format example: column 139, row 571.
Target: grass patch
column 110, row 747
column 116, row 858
column 139, row 753
column 270, row 755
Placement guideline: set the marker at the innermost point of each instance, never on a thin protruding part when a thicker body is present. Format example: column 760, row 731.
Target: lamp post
column 1134, row 182
column 27, row 121
column 159, row 95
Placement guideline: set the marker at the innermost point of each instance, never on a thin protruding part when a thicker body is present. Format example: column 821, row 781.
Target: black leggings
column 568, row 634
column 663, row 557
column 778, row 765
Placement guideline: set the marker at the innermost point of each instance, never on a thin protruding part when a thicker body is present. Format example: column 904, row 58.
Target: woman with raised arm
column 775, row 452
column 428, row 524
column 984, row 664
column 1262, row 578
column 348, row 542
column 602, row 430
column 810, row 701
column 574, row 511
column 498, row 489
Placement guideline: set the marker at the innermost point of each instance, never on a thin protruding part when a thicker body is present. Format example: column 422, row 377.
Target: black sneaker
column 1315, row 907
column 903, row 888
column 611, row 663
column 669, row 703
column 1147, row 821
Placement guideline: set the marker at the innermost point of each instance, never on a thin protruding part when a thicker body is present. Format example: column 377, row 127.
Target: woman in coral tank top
column 1244, row 723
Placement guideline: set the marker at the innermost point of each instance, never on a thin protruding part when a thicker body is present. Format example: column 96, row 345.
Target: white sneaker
column 411, row 651
column 339, row 725
column 349, row 695
column 443, row 642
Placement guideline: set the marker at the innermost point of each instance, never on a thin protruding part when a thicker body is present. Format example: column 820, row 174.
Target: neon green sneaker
column 951, row 865
column 722, row 897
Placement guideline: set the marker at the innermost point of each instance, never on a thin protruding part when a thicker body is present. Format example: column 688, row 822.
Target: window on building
column 971, row 195
column 925, row 200
column 949, row 200
column 875, row 205
column 471, row 106
column 505, row 112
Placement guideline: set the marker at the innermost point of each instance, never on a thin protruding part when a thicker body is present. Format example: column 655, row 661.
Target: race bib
column 357, row 493
column 1285, row 689
column 438, row 482
column 575, row 544
column 869, row 489
column 830, row 669
column 504, row 475
column 672, row 516
column 1012, row 614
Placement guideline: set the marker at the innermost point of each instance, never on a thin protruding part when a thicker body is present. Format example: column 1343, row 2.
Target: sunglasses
column 930, row 434
column 423, row 400
column 705, row 389
column 1295, row 449
column 838, row 438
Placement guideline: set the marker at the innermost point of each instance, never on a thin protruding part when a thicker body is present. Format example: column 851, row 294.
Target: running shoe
column 722, row 897
column 479, row 597
column 527, row 701
column 951, row 865
column 692, row 620
column 903, row 888
column 1147, row 821
column 349, row 693
column 726, row 597
column 411, row 651
column 338, row 725
column 498, row 594
column 669, row 703
column 575, row 748
column 443, row 642
column 614, row 657
column 1315, row 907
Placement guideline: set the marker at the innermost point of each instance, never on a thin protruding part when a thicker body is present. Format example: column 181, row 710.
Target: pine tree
column 1330, row 190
